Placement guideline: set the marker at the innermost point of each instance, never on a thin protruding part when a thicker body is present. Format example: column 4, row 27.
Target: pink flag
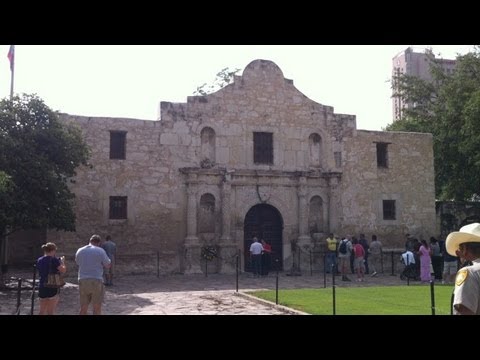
column 11, row 56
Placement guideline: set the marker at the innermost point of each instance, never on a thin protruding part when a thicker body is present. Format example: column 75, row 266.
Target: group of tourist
column 260, row 255
column 92, row 260
column 429, row 260
column 354, row 253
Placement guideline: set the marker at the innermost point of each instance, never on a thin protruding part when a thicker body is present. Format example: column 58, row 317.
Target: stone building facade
column 254, row 158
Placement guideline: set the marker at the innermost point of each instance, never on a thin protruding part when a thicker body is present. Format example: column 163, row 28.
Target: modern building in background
column 417, row 64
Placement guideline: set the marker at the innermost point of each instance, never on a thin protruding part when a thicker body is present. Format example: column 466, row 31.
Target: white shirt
column 375, row 247
column 408, row 258
column 349, row 249
column 467, row 288
column 256, row 248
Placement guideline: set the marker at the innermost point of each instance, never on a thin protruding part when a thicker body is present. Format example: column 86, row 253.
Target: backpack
column 342, row 249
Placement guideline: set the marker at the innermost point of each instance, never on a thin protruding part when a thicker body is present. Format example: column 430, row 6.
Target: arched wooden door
column 265, row 222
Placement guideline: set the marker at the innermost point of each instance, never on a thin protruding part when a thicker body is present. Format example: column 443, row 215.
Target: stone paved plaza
column 184, row 294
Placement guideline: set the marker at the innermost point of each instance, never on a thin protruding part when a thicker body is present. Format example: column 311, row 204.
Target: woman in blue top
column 46, row 264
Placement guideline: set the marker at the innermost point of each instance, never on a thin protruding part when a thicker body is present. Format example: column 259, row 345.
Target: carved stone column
column 192, row 212
column 226, row 213
column 228, row 250
column 333, row 211
column 192, row 245
column 303, row 212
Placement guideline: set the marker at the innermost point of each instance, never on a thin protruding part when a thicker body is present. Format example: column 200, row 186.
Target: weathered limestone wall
column 409, row 179
column 147, row 176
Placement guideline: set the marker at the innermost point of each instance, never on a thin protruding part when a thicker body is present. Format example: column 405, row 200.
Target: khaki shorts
column 91, row 291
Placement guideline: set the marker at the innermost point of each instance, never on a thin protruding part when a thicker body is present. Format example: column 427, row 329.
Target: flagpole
column 11, row 57
column 11, row 83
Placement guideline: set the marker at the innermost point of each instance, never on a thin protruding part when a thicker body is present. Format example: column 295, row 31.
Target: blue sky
column 131, row 80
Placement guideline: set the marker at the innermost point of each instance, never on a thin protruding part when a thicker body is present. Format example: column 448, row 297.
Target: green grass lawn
column 385, row 300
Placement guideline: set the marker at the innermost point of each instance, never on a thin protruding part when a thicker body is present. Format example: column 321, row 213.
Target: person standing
column 91, row 259
column 408, row 242
column 410, row 269
column 49, row 264
column 375, row 255
column 424, row 254
column 331, row 255
column 466, row 244
column 266, row 257
column 437, row 259
column 359, row 261
column 111, row 249
column 256, row 250
column 362, row 241
column 344, row 253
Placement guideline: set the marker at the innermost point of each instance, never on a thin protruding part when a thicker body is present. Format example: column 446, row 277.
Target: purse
column 54, row 280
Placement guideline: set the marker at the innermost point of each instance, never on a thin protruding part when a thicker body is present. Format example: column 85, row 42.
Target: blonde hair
column 49, row 247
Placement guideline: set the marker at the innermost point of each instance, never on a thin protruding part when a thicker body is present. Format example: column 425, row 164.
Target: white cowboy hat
column 468, row 233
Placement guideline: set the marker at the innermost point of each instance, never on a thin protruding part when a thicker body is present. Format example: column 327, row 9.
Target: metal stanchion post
column 432, row 296
column 299, row 269
column 324, row 270
column 381, row 261
column 311, row 263
column 19, row 294
column 451, row 303
column 276, row 284
column 333, row 295
column 33, row 288
column 408, row 277
column 236, row 269
column 393, row 271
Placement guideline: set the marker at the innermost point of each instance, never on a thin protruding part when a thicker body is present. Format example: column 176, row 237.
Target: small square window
column 262, row 148
column 382, row 155
column 117, row 144
column 389, row 210
column 118, row 207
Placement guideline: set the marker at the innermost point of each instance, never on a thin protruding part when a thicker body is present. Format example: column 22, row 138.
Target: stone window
column 315, row 146
column 207, row 136
column 206, row 216
column 118, row 207
column 382, row 155
column 315, row 215
column 117, row 144
column 389, row 210
column 263, row 148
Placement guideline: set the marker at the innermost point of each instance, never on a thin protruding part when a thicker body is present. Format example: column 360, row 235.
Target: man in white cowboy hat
column 466, row 244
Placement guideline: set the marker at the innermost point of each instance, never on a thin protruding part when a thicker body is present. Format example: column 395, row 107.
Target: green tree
column 222, row 79
column 449, row 108
column 5, row 183
column 38, row 155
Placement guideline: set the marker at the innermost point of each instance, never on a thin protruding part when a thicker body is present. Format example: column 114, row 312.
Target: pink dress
column 425, row 274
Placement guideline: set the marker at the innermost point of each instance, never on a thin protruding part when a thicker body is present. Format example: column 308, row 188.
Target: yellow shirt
column 332, row 244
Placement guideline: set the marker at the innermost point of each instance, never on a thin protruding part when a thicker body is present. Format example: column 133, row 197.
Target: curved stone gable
column 263, row 71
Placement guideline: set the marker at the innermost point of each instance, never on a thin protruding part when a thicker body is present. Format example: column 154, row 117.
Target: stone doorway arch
column 265, row 222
